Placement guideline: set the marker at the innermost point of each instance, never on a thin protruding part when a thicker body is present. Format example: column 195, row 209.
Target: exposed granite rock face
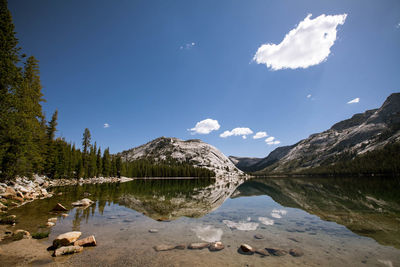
column 364, row 132
column 244, row 163
column 194, row 151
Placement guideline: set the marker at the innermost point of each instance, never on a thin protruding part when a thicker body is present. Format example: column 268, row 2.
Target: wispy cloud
column 187, row 46
column 240, row 131
column 398, row 25
column 272, row 141
column 106, row 125
column 306, row 45
column 355, row 100
column 260, row 135
column 205, row 127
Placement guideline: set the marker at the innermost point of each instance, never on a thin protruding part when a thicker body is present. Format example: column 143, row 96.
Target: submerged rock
column 59, row 207
column 180, row 246
column 296, row 252
column 262, row 252
column 164, row 247
column 66, row 239
column 246, row 248
column 64, row 215
column 198, row 245
column 258, row 236
column 217, row 246
column 153, row 231
column 86, row 242
column 83, row 202
column 67, row 250
column 276, row 251
column 21, row 234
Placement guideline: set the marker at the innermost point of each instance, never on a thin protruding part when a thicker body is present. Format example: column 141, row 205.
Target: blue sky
column 156, row 68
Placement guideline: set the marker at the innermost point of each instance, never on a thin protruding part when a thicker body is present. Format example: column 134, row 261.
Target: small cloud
column 306, row 45
column 398, row 25
column 240, row 131
column 309, row 96
column 260, row 135
column 271, row 141
column 355, row 100
column 205, row 127
column 187, row 46
column 106, row 125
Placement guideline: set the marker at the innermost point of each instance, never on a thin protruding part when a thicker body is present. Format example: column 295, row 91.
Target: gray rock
column 153, row 231
column 59, row 207
column 66, row 239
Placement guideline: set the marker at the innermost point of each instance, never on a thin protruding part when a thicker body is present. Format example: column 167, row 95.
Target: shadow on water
column 367, row 206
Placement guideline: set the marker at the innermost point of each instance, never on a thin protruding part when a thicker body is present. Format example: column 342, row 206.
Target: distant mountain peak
column 193, row 151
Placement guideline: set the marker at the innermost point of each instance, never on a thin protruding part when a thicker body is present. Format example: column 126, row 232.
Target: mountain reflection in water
column 368, row 206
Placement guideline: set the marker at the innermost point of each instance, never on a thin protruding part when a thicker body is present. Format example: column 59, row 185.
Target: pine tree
column 50, row 146
column 86, row 139
column 99, row 163
column 106, row 163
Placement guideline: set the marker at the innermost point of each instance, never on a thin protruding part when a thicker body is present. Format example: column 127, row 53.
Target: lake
column 333, row 221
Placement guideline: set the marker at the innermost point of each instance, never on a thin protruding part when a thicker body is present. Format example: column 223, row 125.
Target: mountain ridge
column 363, row 132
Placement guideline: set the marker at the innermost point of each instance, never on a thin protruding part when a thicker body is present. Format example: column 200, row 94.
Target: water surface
column 333, row 221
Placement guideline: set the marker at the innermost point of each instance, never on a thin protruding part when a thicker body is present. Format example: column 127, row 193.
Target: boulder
column 50, row 224
column 198, row 245
column 23, row 233
column 21, row 189
column 59, row 207
column 83, row 202
column 3, row 207
column 164, row 247
column 216, row 246
column 39, row 180
column 86, row 242
column 66, row 239
column 296, row 252
column 276, row 251
column 9, row 193
column 43, row 192
column 67, row 250
column 53, row 220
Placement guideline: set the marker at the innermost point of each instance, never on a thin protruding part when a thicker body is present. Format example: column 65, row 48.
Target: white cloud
column 106, row 125
column 355, row 100
column 260, row 135
column 187, row 46
column 307, row 45
column 271, row 141
column 309, row 96
column 205, row 126
column 398, row 25
column 240, row 131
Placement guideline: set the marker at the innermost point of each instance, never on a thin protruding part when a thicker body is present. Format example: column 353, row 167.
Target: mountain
column 345, row 140
column 243, row 163
column 194, row 151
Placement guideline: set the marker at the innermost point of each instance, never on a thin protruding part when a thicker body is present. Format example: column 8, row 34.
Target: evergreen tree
column 106, row 163
column 99, row 163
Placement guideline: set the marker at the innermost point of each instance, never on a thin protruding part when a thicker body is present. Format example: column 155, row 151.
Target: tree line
column 28, row 142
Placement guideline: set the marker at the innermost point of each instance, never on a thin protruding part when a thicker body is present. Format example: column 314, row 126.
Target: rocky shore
column 22, row 190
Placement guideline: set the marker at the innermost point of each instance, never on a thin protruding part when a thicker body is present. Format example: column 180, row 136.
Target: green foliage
column 385, row 161
column 167, row 168
column 40, row 235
